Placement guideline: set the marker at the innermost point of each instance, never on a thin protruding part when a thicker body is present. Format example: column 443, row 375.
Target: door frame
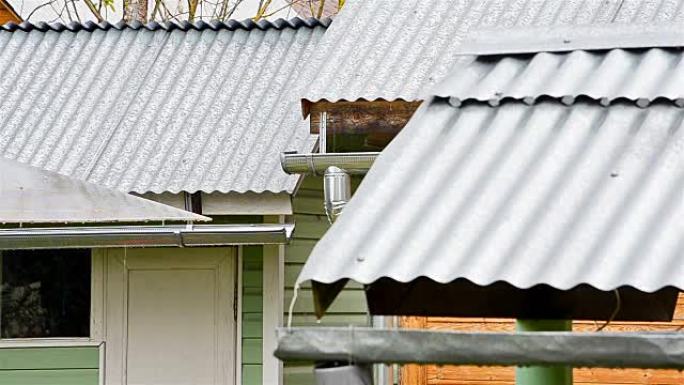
column 100, row 330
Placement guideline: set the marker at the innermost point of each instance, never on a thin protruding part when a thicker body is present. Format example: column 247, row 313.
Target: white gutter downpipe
column 336, row 169
column 336, row 191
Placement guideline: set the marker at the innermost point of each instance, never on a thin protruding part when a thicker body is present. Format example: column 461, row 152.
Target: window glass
column 45, row 293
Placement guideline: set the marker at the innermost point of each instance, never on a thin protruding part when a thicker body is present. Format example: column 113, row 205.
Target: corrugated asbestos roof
column 29, row 195
column 388, row 49
column 554, row 169
column 637, row 75
column 549, row 193
column 162, row 107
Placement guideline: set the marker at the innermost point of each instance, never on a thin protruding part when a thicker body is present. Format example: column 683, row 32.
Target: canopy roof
column 518, row 180
column 29, row 195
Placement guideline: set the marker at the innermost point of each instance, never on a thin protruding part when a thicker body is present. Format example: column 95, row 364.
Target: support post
column 540, row 375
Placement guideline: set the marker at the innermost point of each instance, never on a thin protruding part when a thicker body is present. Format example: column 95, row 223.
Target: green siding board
column 49, row 377
column 49, row 358
column 340, row 319
column 292, row 272
column 253, row 279
column 252, row 303
column 294, row 374
column 251, row 375
column 349, row 301
column 251, row 350
column 309, row 204
column 299, row 250
column 350, row 306
column 252, row 314
column 310, row 226
column 252, row 325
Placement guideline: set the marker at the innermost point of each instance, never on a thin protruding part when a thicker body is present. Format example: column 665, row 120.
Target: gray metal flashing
column 640, row 76
column 158, row 108
column 566, row 38
column 399, row 50
column 367, row 345
column 144, row 236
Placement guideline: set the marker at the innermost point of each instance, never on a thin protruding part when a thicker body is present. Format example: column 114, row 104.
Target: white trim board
column 249, row 203
column 273, row 297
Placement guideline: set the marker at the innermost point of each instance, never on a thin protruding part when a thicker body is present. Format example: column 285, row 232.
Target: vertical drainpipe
column 336, row 191
column 543, row 375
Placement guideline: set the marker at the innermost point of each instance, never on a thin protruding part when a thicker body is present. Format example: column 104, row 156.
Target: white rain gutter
column 145, row 236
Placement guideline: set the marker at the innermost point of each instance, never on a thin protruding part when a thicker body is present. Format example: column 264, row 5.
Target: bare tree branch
column 93, row 10
column 49, row 3
column 320, row 9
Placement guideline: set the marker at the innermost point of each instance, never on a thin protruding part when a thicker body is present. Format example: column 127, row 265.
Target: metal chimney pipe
column 336, row 191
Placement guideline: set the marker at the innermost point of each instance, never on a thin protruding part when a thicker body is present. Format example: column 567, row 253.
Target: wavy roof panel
column 157, row 108
column 525, row 194
column 392, row 50
column 639, row 75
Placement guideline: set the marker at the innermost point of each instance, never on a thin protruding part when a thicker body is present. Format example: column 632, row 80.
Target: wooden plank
column 251, row 351
column 292, row 272
column 414, row 374
column 251, row 375
column 457, row 375
column 452, row 375
column 378, row 116
column 252, row 303
column 349, row 301
column 340, row 319
column 49, row 358
column 49, row 377
column 251, row 325
column 298, row 250
column 310, row 226
column 295, row 374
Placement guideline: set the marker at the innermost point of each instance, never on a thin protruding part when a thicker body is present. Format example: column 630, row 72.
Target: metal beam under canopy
column 29, row 195
column 367, row 345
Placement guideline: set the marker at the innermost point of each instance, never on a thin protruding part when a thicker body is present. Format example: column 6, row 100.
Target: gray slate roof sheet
column 388, row 49
column 163, row 107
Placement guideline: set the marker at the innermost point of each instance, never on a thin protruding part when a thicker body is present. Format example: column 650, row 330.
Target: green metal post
column 543, row 375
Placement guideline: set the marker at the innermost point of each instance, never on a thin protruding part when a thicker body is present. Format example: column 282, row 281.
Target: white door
column 169, row 316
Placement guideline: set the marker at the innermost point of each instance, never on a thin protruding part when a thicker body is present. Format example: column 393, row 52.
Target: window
column 45, row 293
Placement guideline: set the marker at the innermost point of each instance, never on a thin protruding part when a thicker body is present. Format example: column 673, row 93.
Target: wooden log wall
column 377, row 122
column 471, row 375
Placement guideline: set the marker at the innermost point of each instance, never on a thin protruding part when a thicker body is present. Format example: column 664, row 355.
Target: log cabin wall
column 360, row 126
column 471, row 375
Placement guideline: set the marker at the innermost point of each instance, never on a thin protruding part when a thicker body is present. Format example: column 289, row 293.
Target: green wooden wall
column 49, row 366
column 252, row 314
column 348, row 308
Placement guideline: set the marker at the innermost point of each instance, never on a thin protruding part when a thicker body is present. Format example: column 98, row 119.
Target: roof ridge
column 231, row 25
